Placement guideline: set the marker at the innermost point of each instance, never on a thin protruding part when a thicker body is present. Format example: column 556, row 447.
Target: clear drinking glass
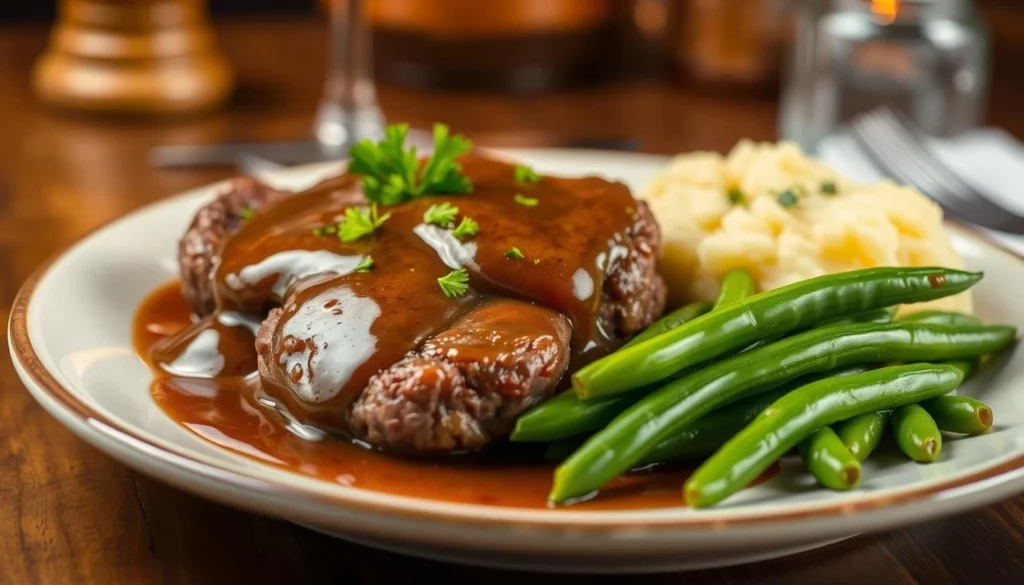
column 925, row 58
column 348, row 110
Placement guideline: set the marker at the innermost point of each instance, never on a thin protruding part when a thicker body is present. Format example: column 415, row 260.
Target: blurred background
column 109, row 105
column 119, row 102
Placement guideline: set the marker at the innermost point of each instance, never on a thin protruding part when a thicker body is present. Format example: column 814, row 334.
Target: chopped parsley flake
column 324, row 230
column 466, row 228
column 787, row 198
column 455, row 283
column 526, row 201
column 736, row 196
column 526, row 176
column 360, row 222
column 442, row 214
column 365, row 266
column 514, row 254
column 829, row 188
column 246, row 212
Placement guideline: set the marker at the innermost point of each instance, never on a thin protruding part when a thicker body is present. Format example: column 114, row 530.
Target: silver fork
column 897, row 148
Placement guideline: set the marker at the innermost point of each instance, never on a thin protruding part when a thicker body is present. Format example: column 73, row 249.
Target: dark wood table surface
column 69, row 514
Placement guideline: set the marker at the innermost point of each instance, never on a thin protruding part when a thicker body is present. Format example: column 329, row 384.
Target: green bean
column 967, row 366
column 564, row 418
column 862, row 434
column 883, row 315
column 916, row 433
column 791, row 418
column 829, row 461
column 566, row 415
column 959, row 414
column 562, row 448
column 709, row 433
column 665, row 411
column 700, row 439
column 737, row 285
column 937, row 317
column 764, row 316
column 873, row 316
column 670, row 321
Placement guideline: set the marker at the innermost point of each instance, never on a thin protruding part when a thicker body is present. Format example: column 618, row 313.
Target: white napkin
column 988, row 159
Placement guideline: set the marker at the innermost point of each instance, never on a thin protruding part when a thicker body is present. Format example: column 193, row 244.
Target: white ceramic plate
column 70, row 335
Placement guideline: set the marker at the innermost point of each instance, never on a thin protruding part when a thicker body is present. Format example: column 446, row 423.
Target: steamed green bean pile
column 820, row 367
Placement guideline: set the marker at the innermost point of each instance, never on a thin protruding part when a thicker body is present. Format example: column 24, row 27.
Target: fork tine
column 903, row 160
column 893, row 161
column 900, row 154
column 913, row 141
column 937, row 171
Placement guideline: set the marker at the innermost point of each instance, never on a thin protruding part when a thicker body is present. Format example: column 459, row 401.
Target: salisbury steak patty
column 199, row 248
column 391, row 358
column 466, row 386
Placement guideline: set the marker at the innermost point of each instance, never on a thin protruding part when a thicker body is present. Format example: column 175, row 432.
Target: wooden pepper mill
column 133, row 56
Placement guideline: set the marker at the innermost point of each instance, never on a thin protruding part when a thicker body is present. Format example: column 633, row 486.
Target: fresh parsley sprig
column 392, row 173
column 442, row 214
column 466, row 228
column 455, row 283
column 360, row 222
column 365, row 266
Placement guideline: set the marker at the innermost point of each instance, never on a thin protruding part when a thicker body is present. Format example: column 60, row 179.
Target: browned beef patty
column 198, row 249
column 464, row 387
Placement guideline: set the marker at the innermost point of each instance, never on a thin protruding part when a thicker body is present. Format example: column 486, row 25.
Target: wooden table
column 69, row 514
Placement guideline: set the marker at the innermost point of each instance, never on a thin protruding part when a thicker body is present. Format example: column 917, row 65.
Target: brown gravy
column 339, row 326
column 227, row 412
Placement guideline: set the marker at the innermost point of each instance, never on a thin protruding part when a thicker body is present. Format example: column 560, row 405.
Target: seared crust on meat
column 199, row 248
column 466, row 386
column 421, row 405
column 634, row 293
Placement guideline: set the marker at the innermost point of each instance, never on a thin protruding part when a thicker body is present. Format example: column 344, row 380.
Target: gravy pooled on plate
column 228, row 412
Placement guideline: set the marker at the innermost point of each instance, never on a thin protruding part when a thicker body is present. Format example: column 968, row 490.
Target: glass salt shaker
column 925, row 58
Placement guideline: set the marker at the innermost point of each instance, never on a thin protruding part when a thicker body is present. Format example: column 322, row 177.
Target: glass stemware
column 348, row 110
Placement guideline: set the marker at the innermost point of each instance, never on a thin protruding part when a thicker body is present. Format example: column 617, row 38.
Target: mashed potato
column 772, row 210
